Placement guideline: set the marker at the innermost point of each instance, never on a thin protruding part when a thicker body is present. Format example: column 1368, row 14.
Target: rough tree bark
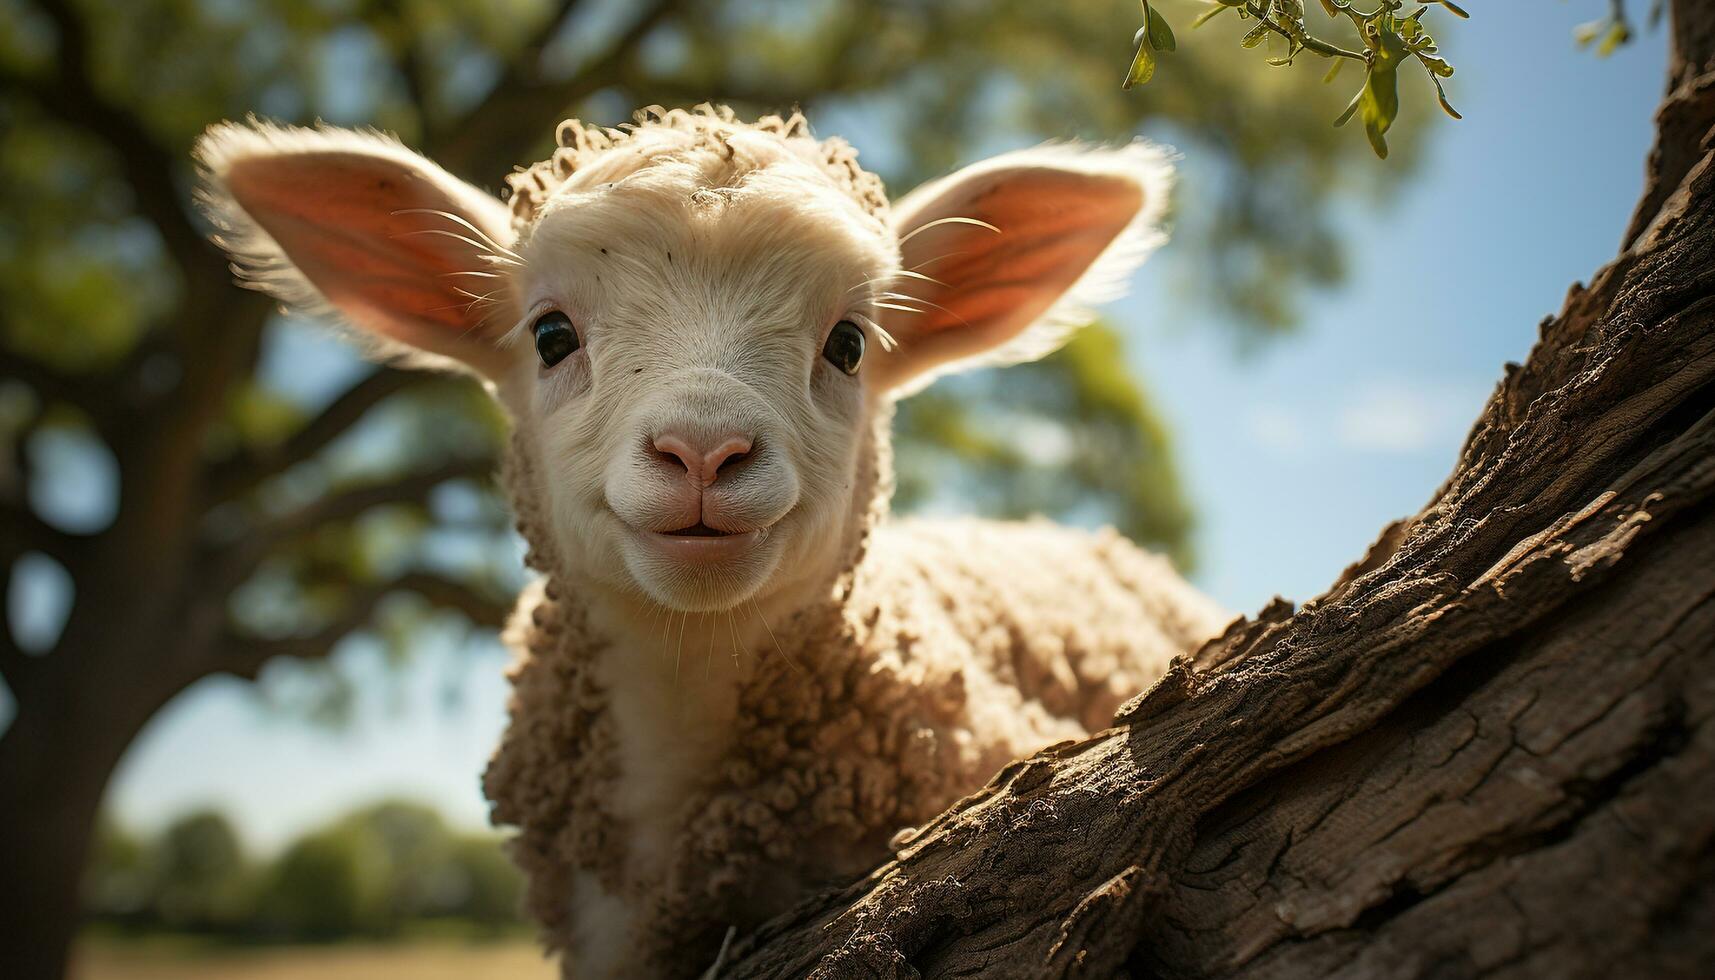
column 1488, row 749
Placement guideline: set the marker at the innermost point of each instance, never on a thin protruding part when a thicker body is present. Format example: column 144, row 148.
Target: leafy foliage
column 1071, row 437
column 1609, row 33
column 378, row 871
column 199, row 872
column 1387, row 39
column 273, row 489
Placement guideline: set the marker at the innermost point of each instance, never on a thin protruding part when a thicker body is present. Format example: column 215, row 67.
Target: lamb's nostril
column 704, row 465
column 673, row 450
column 734, row 450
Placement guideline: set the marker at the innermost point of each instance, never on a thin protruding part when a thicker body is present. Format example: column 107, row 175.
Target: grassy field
column 115, row 959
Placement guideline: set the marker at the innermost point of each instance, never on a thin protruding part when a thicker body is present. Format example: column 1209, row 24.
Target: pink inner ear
column 348, row 222
column 1054, row 223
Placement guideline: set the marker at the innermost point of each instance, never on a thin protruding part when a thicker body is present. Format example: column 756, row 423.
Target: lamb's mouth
column 700, row 544
column 700, row 530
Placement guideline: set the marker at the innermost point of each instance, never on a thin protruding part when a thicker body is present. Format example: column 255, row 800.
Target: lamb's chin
column 702, row 573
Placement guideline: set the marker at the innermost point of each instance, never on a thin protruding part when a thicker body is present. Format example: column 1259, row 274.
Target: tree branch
column 17, row 669
column 146, row 165
column 412, row 487
column 1686, row 115
column 246, row 655
column 1693, row 41
column 30, row 533
column 490, row 137
column 481, row 607
column 244, row 473
column 239, row 561
column 49, row 383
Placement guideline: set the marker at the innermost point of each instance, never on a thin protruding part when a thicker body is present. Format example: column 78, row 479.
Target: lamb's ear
column 1019, row 246
column 335, row 221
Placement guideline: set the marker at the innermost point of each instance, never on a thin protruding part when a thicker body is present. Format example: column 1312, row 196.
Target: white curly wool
column 655, row 816
column 940, row 652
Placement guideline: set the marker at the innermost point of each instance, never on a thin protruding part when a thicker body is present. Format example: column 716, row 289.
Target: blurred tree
column 213, row 492
column 416, row 849
column 117, row 885
column 480, row 884
column 372, row 872
column 1069, row 436
column 1379, row 39
column 201, row 878
column 328, row 885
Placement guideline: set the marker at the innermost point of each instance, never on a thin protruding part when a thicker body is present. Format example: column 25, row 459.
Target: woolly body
column 666, row 793
column 695, row 743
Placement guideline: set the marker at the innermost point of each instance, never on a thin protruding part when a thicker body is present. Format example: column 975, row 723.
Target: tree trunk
column 1489, row 749
column 46, row 841
column 55, row 761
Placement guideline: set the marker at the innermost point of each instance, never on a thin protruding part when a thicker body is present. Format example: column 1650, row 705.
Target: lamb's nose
column 703, row 459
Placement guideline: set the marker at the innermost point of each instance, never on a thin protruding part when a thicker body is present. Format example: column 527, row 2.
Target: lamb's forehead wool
column 708, row 134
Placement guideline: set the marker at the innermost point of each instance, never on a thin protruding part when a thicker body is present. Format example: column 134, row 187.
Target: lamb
column 737, row 679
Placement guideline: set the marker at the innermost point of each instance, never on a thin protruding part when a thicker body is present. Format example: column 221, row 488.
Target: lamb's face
column 686, row 332
column 689, row 367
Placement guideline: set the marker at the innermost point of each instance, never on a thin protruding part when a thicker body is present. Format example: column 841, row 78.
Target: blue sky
column 1294, row 454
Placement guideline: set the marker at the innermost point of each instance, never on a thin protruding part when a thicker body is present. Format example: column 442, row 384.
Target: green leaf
column 1378, row 101
column 1454, row 9
column 1441, row 96
column 1617, row 35
column 1160, row 35
column 1351, row 107
column 1208, row 15
column 1333, row 70
column 1436, row 66
column 1142, row 66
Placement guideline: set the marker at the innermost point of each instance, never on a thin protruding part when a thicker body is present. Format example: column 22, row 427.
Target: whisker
column 666, row 629
column 888, row 343
column 477, row 297
column 777, row 647
column 473, row 243
column 895, row 306
column 938, row 306
column 679, row 655
column 478, row 232
column 907, row 297
column 937, row 258
column 467, row 308
column 732, row 630
column 461, row 307
column 950, row 220
column 709, row 655
column 919, row 275
column 895, row 275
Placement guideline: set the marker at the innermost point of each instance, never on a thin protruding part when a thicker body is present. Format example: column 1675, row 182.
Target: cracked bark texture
column 1487, row 750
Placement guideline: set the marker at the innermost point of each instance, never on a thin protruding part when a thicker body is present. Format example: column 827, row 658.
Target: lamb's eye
column 844, row 348
column 556, row 338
